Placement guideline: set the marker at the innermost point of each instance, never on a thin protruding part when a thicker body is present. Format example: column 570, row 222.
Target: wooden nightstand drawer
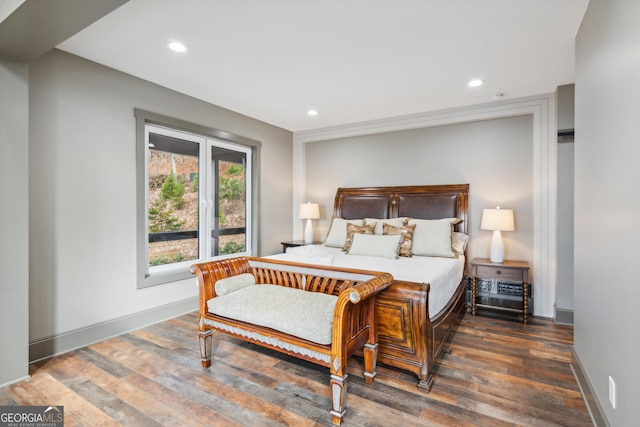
column 515, row 274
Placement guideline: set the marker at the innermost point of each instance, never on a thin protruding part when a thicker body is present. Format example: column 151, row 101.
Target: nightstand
column 510, row 271
column 293, row 244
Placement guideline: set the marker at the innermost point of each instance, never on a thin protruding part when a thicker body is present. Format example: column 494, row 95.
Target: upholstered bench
column 319, row 314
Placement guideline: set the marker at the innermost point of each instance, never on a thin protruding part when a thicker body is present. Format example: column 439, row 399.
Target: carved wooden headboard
column 419, row 201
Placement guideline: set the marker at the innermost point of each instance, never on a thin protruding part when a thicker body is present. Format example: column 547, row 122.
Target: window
column 195, row 200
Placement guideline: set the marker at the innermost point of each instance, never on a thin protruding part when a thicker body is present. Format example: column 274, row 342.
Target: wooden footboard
column 354, row 320
column 408, row 339
column 402, row 327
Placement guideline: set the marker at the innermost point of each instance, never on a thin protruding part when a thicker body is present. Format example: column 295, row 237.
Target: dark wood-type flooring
column 494, row 372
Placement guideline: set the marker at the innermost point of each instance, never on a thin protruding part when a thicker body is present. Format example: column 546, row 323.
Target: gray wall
column 83, row 196
column 564, row 295
column 565, row 98
column 607, row 204
column 14, row 221
column 494, row 156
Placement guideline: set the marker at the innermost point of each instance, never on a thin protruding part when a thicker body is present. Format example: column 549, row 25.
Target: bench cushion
column 306, row 315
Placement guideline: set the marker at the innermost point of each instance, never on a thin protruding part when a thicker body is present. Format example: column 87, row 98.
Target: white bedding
column 443, row 274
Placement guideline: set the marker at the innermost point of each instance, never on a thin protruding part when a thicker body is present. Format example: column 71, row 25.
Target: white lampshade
column 497, row 220
column 309, row 211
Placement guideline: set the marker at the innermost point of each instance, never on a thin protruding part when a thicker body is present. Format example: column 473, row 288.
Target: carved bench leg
column 338, row 397
column 425, row 383
column 205, row 348
column 370, row 353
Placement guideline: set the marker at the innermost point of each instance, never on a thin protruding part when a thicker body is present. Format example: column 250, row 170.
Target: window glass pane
column 230, row 196
column 173, row 208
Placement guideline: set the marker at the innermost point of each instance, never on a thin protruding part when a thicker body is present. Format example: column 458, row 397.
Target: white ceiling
column 352, row 60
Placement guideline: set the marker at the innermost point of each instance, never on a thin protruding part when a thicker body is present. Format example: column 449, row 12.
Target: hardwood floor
column 494, row 372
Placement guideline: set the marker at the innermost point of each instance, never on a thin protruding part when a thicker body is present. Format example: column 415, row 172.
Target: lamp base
column 308, row 232
column 497, row 248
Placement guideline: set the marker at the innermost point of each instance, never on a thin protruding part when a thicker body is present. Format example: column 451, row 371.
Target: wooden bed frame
column 410, row 338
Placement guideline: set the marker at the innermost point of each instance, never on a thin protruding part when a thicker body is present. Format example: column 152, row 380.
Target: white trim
column 542, row 107
column 180, row 135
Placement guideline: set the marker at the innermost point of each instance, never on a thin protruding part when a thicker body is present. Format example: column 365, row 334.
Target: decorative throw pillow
column 357, row 229
column 375, row 245
column 234, row 283
column 337, row 234
column 396, row 222
column 407, row 234
column 432, row 237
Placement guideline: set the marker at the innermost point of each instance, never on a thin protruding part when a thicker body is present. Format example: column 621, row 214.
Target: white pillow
column 459, row 242
column 396, row 222
column 338, row 231
column 432, row 237
column 234, row 283
column 375, row 245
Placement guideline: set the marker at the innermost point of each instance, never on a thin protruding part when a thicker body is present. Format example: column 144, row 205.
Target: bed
column 412, row 329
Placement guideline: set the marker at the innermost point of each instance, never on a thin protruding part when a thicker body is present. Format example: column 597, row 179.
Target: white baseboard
column 58, row 344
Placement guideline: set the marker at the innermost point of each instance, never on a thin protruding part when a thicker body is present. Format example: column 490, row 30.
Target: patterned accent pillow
column 459, row 242
column 406, row 232
column 359, row 229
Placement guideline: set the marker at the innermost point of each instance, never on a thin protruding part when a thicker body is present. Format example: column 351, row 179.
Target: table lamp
column 497, row 220
column 309, row 211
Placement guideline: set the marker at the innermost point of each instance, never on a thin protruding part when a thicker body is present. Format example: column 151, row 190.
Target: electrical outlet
column 612, row 392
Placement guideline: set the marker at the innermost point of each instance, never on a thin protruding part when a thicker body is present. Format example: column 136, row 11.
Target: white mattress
column 443, row 274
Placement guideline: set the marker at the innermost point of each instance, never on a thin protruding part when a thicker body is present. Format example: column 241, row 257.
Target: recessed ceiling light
column 312, row 112
column 475, row 83
column 177, row 46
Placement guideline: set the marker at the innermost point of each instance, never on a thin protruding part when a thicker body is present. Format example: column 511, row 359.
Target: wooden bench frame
column 354, row 320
